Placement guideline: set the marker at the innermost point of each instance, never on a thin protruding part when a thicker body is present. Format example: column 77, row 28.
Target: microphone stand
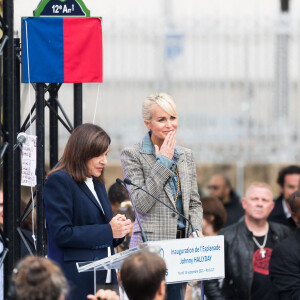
column 144, row 237
column 194, row 232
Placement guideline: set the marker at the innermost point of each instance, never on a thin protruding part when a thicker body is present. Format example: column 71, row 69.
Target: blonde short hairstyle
column 258, row 184
column 164, row 100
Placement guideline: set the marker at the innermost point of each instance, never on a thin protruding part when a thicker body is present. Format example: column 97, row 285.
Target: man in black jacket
column 285, row 259
column 288, row 180
column 220, row 186
column 248, row 247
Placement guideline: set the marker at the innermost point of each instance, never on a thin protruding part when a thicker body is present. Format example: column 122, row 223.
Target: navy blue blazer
column 77, row 229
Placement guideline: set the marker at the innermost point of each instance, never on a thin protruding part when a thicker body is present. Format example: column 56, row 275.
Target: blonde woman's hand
column 168, row 147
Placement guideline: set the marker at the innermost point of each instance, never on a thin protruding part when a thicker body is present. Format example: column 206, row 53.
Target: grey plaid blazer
column 159, row 222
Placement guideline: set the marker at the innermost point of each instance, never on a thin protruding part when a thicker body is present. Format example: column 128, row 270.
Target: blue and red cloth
column 62, row 49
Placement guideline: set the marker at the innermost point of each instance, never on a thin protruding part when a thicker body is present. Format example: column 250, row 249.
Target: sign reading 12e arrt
column 65, row 8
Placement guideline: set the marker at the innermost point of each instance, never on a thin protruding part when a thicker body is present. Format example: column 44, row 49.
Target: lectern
column 190, row 259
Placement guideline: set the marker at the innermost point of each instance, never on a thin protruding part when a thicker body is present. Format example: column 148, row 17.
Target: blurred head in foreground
column 143, row 276
column 38, row 278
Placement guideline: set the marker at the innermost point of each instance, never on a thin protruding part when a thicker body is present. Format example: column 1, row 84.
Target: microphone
column 144, row 237
column 120, row 182
column 21, row 139
column 195, row 234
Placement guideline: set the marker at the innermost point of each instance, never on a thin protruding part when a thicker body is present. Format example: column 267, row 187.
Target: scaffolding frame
column 10, row 147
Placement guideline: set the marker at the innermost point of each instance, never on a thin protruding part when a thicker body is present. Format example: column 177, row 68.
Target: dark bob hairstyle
column 86, row 141
column 213, row 207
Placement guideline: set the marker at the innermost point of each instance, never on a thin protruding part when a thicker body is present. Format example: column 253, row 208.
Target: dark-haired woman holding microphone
column 166, row 171
column 79, row 218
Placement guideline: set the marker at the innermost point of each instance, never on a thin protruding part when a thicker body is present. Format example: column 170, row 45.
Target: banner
column 62, row 50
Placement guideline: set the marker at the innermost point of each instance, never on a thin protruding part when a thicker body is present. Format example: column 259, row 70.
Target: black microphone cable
column 195, row 234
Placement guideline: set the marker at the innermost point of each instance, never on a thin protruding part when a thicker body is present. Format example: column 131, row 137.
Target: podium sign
column 193, row 258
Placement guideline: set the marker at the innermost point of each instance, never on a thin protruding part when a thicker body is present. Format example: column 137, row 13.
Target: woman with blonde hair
column 166, row 171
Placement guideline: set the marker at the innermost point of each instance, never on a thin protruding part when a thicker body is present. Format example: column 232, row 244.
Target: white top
column 286, row 210
column 89, row 182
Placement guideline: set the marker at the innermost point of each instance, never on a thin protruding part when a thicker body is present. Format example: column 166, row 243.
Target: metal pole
column 167, row 6
column 17, row 156
column 77, row 104
column 282, row 67
column 284, row 5
column 40, row 166
column 53, row 125
column 8, row 124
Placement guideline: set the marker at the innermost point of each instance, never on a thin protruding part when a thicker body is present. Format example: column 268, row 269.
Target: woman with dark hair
column 214, row 219
column 214, row 215
column 79, row 219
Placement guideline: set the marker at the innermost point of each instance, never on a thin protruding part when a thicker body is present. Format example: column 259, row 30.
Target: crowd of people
column 142, row 276
column 85, row 223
